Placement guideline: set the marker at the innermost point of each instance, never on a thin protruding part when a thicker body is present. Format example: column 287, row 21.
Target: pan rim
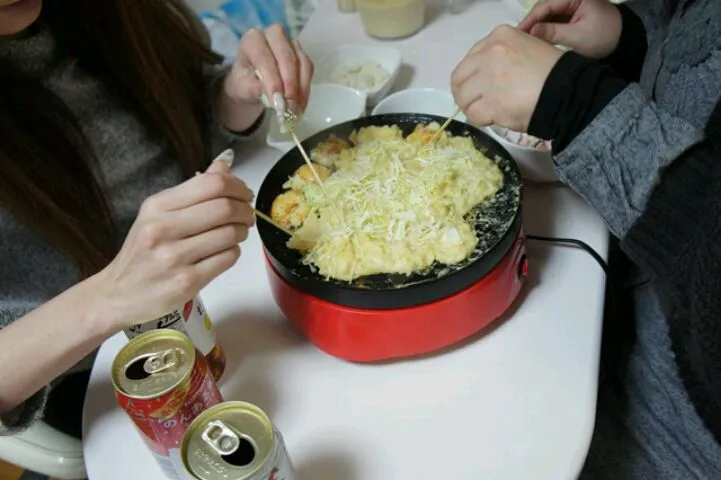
column 512, row 228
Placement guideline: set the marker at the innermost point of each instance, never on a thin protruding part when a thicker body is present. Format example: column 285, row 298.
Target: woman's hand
column 182, row 239
column 591, row 28
column 285, row 69
column 500, row 79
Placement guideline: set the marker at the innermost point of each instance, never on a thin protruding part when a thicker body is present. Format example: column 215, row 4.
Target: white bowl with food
column 328, row 105
column 419, row 100
column 532, row 155
column 371, row 69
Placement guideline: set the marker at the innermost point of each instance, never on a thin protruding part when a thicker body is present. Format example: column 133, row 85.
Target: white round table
column 516, row 402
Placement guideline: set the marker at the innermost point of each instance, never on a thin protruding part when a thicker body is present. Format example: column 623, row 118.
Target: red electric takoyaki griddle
column 382, row 317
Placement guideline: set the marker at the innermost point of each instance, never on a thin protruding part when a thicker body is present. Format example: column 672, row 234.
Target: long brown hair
column 150, row 53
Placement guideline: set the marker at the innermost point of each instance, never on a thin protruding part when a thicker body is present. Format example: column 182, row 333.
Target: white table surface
column 517, row 402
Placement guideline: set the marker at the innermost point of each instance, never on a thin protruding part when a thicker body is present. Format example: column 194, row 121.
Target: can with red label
column 163, row 383
column 235, row 441
column 193, row 320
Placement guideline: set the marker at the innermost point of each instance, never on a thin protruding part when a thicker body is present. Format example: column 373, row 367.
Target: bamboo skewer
column 445, row 125
column 289, row 120
column 315, row 173
column 265, row 217
column 305, row 156
column 227, row 156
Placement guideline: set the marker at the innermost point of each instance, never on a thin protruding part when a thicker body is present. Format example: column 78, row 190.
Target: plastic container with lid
column 391, row 18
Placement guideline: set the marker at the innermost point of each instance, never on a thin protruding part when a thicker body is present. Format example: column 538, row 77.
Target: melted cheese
column 395, row 205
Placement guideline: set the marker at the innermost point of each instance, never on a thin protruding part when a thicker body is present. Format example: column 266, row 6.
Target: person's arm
column 628, row 57
column 182, row 238
column 230, row 121
column 676, row 242
column 610, row 140
column 65, row 330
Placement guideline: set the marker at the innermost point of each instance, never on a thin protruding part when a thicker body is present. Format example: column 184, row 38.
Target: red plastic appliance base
column 360, row 335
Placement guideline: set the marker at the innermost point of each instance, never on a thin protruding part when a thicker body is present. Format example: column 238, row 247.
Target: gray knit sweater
column 651, row 430
column 652, row 121
column 134, row 163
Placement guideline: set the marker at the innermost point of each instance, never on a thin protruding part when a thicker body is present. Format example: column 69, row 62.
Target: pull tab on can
column 221, row 438
column 161, row 361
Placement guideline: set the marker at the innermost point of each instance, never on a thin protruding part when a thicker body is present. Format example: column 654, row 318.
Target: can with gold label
column 163, row 383
column 235, row 441
column 193, row 320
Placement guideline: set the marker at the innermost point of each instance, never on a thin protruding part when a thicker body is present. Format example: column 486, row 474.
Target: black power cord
column 583, row 246
column 573, row 243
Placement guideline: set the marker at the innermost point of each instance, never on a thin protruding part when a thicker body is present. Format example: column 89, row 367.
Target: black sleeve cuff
column 627, row 60
column 253, row 128
column 574, row 93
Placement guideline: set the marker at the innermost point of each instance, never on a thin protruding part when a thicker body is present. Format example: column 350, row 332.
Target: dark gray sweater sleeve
column 25, row 414
column 31, row 409
column 616, row 161
column 221, row 137
column 675, row 242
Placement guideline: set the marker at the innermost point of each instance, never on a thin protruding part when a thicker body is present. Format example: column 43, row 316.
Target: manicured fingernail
column 278, row 102
column 228, row 156
column 264, row 100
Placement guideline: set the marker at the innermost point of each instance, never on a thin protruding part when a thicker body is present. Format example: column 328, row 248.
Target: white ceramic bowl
column 535, row 164
column 419, row 100
column 388, row 58
column 328, row 105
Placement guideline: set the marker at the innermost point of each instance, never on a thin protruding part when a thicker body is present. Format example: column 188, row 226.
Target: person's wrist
column 616, row 26
column 236, row 113
column 103, row 315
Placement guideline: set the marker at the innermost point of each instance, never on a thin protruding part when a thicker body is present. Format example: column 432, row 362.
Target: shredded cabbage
column 395, row 205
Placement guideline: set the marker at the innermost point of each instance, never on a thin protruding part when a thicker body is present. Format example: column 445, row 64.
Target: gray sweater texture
column 134, row 163
column 650, row 428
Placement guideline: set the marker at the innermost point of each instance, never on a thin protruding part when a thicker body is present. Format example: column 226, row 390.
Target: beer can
column 163, row 383
column 193, row 320
column 235, row 441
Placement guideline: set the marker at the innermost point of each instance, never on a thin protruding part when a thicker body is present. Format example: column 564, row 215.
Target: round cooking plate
column 498, row 224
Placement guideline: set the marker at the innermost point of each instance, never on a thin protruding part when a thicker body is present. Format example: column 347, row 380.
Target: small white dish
column 328, row 105
column 536, row 164
column 388, row 58
column 419, row 100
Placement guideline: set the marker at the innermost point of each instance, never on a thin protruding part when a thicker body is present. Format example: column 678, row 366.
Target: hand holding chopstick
column 445, row 125
column 288, row 120
column 227, row 157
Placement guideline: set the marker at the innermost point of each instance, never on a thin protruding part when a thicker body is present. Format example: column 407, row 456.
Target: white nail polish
column 278, row 103
column 228, row 156
column 264, row 100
